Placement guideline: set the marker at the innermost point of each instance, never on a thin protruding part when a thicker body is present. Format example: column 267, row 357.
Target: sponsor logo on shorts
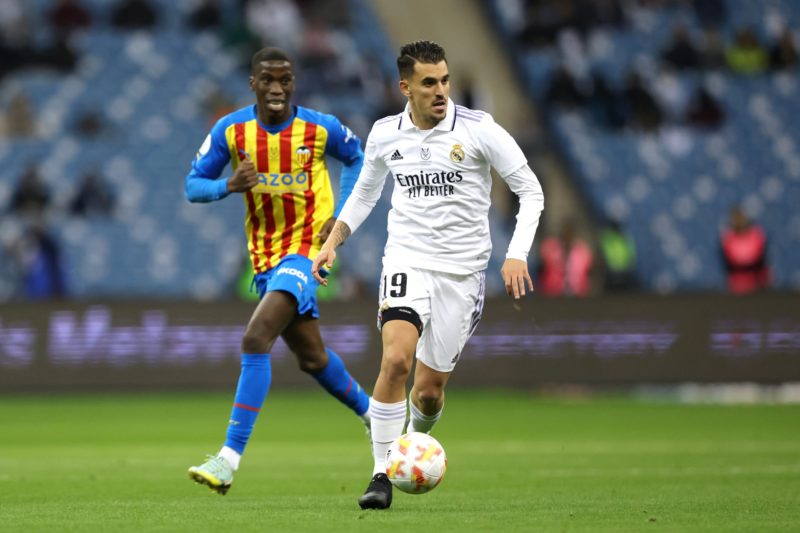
column 292, row 272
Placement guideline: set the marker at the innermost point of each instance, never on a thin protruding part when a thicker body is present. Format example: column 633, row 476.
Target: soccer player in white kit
column 432, row 286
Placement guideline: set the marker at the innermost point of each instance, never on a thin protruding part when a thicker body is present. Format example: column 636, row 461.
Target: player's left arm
column 505, row 155
column 345, row 146
column 525, row 185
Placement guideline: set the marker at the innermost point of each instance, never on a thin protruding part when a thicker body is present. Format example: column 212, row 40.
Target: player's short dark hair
column 270, row 53
column 418, row 51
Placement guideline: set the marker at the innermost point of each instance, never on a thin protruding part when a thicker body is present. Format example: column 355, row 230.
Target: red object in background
column 565, row 270
column 745, row 252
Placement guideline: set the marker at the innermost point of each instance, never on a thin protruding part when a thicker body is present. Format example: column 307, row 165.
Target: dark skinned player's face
column 273, row 83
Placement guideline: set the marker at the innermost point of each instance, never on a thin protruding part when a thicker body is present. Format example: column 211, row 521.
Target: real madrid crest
column 302, row 155
column 425, row 153
column 457, row 153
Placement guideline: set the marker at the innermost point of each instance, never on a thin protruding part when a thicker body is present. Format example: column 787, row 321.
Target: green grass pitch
column 516, row 463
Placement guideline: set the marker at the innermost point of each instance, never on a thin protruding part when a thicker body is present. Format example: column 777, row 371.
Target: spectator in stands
column 468, row 92
column 18, row 121
column 338, row 13
column 744, row 253
column 134, row 15
column 543, row 21
column 66, row 16
column 236, row 35
column 218, row 104
column 90, row 124
column 784, row 53
column 38, row 259
column 704, row 111
column 60, row 55
column 565, row 264
column 671, row 94
column 31, row 197
column 93, row 196
column 747, row 55
column 16, row 39
column 391, row 100
column 11, row 14
column 318, row 49
column 619, row 257
column 681, row 54
column 644, row 112
column 13, row 21
column 205, row 16
column 563, row 90
column 604, row 13
column 275, row 23
column 710, row 13
column 604, row 104
column 331, row 58
column 712, row 55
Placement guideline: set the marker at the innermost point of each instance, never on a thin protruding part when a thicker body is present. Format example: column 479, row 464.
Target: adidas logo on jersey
column 396, row 156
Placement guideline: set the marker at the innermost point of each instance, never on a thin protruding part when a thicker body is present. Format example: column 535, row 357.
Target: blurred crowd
column 316, row 33
column 49, row 38
column 570, row 266
column 661, row 95
column 648, row 102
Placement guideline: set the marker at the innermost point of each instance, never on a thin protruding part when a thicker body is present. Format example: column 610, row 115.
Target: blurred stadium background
column 647, row 121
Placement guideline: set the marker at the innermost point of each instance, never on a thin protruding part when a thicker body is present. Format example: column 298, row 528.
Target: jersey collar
column 446, row 124
column 273, row 129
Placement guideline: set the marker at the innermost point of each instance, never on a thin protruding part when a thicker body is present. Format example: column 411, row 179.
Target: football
column 415, row 463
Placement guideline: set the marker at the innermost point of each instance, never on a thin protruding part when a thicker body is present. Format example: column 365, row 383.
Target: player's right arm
column 358, row 206
column 327, row 254
column 202, row 183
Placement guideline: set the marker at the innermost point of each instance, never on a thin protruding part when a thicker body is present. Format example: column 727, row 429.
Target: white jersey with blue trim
column 442, row 184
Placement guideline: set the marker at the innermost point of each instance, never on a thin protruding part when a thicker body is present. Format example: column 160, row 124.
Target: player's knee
column 396, row 363
column 257, row 339
column 312, row 363
column 429, row 397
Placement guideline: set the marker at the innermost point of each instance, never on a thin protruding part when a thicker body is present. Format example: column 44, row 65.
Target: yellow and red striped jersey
column 293, row 198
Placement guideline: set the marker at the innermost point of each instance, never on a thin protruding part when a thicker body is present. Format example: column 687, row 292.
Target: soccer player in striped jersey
column 439, row 155
column 277, row 152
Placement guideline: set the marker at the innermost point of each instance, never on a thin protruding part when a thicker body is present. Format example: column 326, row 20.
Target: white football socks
column 421, row 422
column 232, row 456
column 387, row 421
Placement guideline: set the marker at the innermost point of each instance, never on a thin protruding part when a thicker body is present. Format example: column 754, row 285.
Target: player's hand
column 516, row 277
column 322, row 265
column 245, row 177
column 327, row 227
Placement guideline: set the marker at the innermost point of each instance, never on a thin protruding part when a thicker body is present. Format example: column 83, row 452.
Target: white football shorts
column 449, row 307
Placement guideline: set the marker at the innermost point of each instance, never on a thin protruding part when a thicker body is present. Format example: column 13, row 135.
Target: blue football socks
column 254, row 383
column 339, row 383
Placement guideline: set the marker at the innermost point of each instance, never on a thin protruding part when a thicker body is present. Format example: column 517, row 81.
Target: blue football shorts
column 292, row 275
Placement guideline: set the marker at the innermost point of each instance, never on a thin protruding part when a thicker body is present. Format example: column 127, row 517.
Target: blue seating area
column 149, row 87
column 673, row 188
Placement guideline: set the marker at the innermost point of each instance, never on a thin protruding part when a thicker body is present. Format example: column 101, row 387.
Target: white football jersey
column 442, row 183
